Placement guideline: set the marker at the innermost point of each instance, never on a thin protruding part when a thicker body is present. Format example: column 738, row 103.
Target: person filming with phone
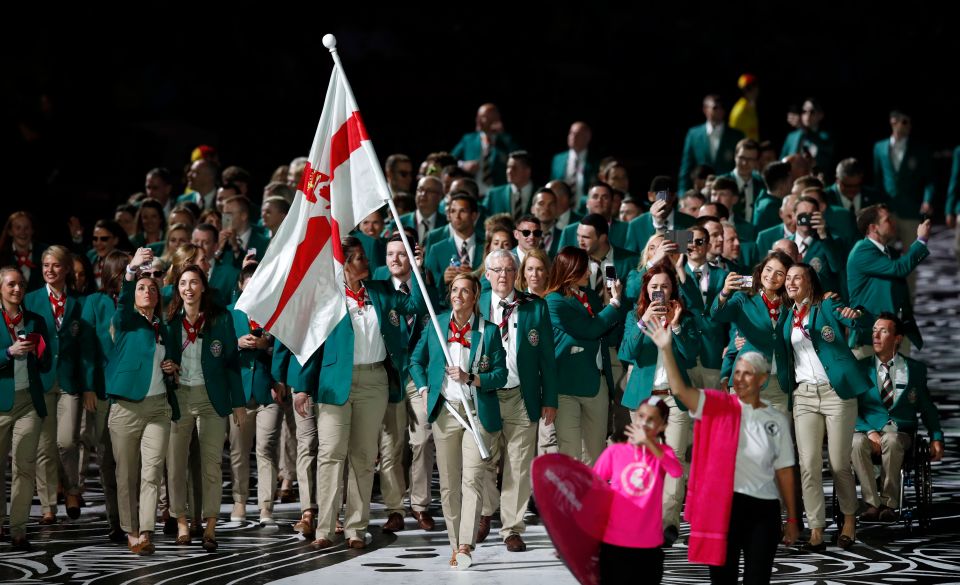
column 238, row 237
column 817, row 248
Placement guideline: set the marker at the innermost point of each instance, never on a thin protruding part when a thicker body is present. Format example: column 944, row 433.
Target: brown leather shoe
column 515, row 543
column 305, row 525
column 321, row 543
column 356, row 543
column 394, row 522
column 48, row 519
column 424, row 520
column 888, row 514
column 146, row 545
column 484, row 529
column 870, row 514
column 20, row 544
column 73, row 506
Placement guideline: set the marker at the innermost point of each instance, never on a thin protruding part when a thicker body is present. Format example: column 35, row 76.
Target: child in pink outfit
column 636, row 470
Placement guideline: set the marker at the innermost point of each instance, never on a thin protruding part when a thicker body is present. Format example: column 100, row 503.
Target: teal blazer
column 327, row 375
column 64, row 345
column 498, row 200
column 821, row 139
column 750, row 315
column 471, row 148
column 219, row 359
column 640, row 229
column 827, row 259
column 285, row 368
column 766, row 211
column 617, row 235
column 558, row 168
column 36, row 368
column 914, row 180
column 759, row 188
column 130, row 364
column 536, row 364
column 578, row 337
column 915, row 399
column 640, row 351
column 223, row 279
column 409, row 220
column 254, row 363
column 97, row 345
column 428, row 369
column 826, row 332
column 768, row 237
column 696, row 151
column 438, row 259
column 868, row 196
column 842, row 225
column 878, row 284
column 712, row 334
column 953, row 190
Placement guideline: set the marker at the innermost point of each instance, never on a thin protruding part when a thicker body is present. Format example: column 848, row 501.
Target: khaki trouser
column 581, row 425
column 288, row 442
column 423, row 449
column 48, row 457
column 518, row 444
column 196, row 411
column 893, row 445
column 818, row 408
column 19, row 436
column 347, row 435
column 392, row 441
column 69, row 417
column 306, row 427
column 775, row 396
column 262, row 426
column 140, row 433
column 679, row 437
column 88, row 443
column 461, row 476
column 105, row 460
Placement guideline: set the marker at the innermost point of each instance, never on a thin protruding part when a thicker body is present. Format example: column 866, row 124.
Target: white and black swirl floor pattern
column 77, row 552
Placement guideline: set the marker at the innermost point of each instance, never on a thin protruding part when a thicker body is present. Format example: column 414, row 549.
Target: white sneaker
column 239, row 513
column 266, row 518
column 464, row 560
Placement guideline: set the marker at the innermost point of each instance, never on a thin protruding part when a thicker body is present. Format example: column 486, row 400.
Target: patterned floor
column 77, row 552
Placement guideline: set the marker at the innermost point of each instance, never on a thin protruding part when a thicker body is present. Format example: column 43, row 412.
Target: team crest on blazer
column 216, row 348
column 394, row 318
column 534, row 337
column 827, row 334
column 484, row 363
column 75, row 328
column 817, row 264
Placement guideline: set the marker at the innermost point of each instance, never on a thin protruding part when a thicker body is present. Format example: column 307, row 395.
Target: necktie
column 582, row 297
column 97, row 270
column 404, row 288
column 465, row 255
column 886, row 389
column 192, row 329
column 424, row 229
column 547, row 239
column 517, row 205
column 12, row 323
column 599, row 280
column 506, row 310
column 486, row 169
column 802, row 246
column 458, row 334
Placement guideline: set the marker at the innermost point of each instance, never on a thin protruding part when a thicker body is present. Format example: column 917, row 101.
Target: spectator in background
column 776, row 178
column 399, row 173
column 201, row 184
column 749, row 182
column 159, row 186
column 483, row 152
column 272, row 213
column 809, row 138
column 849, row 190
column 711, row 143
column 575, row 166
column 565, row 212
column 743, row 115
column 238, row 176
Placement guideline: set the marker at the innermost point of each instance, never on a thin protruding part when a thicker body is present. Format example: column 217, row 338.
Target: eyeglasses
column 699, row 241
column 102, row 238
column 150, row 274
column 500, row 270
column 536, row 233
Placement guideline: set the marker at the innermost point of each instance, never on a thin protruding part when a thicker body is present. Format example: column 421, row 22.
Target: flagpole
column 471, row 424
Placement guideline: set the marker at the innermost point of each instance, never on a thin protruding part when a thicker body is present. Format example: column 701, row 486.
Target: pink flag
column 297, row 291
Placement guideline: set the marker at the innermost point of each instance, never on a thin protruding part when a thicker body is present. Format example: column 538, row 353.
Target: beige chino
column 581, row 424
column 196, row 412
column 19, row 436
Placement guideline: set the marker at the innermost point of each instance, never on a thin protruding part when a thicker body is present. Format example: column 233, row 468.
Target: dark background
column 91, row 103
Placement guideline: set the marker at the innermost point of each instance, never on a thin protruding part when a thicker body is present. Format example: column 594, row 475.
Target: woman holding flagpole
column 479, row 369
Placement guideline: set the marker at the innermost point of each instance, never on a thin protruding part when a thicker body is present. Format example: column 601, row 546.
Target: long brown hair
column 185, row 255
column 112, row 272
column 568, row 268
column 662, row 267
column 780, row 257
column 207, row 306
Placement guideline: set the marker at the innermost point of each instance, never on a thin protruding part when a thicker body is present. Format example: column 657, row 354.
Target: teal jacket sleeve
column 279, row 362
column 550, row 382
column 418, row 360
column 882, row 267
column 871, row 411
column 571, row 320
column 727, row 311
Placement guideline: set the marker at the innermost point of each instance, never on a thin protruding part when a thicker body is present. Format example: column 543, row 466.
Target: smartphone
column 746, row 282
column 804, row 219
column 924, row 217
column 658, row 296
column 455, row 260
column 21, row 335
column 251, row 252
column 681, row 237
column 226, row 222
column 258, row 332
column 610, row 272
column 662, row 195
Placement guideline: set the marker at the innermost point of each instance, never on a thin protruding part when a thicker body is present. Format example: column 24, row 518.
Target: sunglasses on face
column 699, row 241
column 102, row 238
column 154, row 273
column 536, row 233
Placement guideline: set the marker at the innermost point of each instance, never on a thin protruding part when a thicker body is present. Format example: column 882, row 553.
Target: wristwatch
column 470, row 378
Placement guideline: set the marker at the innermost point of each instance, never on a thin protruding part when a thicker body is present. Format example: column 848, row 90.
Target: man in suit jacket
column 785, row 229
column 600, row 202
column 849, row 191
column 877, row 280
column 544, row 208
column 515, row 196
column 576, row 166
column 712, row 143
column 699, row 286
column 201, row 184
column 726, row 193
column 483, row 153
column 530, row 393
column 953, row 200
column 426, row 217
column 663, row 215
column 462, row 251
column 817, row 248
column 239, row 236
column 900, row 384
column 766, row 211
column 566, row 214
column 810, row 138
column 749, row 181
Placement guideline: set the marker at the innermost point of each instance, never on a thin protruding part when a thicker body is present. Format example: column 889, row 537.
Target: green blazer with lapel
column 878, row 284
column 825, row 327
column 130, row 365
column 766, row 211
column 499, row 200
column 953, row 189
column 536, row 363
column 820, row 139
column 768, row 237
column 438, row 259
column 470, row 147
column 749, row 313
column 36, row 367
column 409, row 220
column 617, row 234
column 827, row 259
column 223, row 279
column 868, row 196
column 98, row 311
column 327, row 375
column 640, row 351
column 912, row 184
column 64, row 345
column 254, row 363
column 759, row 188
column 842, row 225
column 374, row 248
column 712, row 333
column 428, row 369
column 578, row 338
column 914, row 399
column 219, row 359
column 696, row 151
column 640, row 229
column 558, row 167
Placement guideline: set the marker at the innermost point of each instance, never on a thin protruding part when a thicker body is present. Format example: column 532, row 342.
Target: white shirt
column 496, row 311
column 713, row 134
column 667, row 225
column 368, row 347
column 803, row 244
column 574, row 175
column 899, row 372
column 459, row 355
column 897, row 150
column 21, row 375
column 471, row 245
column 520, row 254
column 807, row 365
column 424, row 224
column 191, row 368
column 704, row 283
column 881, row 247
column 604, row 262
column 746, row 189
column 244, row 239
column 563, row 220
column 853, row 204
column 157, row 386
column 764, row 447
